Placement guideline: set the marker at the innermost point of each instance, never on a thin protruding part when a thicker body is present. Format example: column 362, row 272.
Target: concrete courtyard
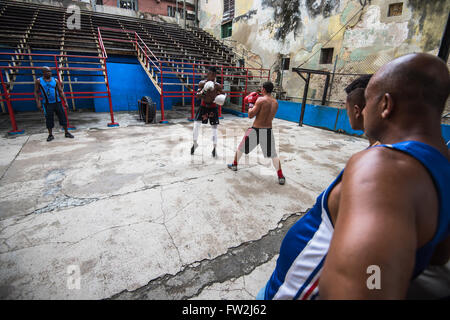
column 128, row 213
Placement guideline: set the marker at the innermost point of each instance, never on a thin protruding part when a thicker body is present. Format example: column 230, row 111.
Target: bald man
column 52, row 93
column 386, row 217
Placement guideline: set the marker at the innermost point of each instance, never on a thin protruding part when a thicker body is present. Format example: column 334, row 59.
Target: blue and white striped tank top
column 306, row 244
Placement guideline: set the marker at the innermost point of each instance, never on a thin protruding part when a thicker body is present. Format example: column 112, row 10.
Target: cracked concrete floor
column 130, row 214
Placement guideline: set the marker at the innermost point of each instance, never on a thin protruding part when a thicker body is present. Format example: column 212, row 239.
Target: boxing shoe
column 194, row 146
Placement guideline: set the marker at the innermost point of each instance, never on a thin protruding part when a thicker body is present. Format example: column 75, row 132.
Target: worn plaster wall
column 210, row 16
column 360, row 32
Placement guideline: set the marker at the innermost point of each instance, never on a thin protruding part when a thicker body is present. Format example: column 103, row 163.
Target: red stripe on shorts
column 247, row 133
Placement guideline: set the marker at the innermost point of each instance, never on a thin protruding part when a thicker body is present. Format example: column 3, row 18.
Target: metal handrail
column 102, row 46
column 147, row 50
column 215, row 65
column 48, row 55
column 145, row 45
column 7, row 96
column 136, row 37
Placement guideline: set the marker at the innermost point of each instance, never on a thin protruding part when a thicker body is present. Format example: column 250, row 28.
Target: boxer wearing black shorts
column 208, row 90
column 259, row 136
column 208, row 112
column 261, row 133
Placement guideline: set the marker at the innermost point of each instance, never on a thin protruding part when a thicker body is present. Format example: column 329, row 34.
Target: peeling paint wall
column 363, row 37
column 210, row 16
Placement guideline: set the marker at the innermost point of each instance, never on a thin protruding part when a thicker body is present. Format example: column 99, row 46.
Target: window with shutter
column 227, row 29
column 128, row 4
column 228, row 10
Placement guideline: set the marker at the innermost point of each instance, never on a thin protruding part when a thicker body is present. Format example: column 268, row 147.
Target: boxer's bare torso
column 209, row 96
column 265, row 109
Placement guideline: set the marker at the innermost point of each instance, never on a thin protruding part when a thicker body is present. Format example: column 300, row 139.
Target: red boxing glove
column 251, row 98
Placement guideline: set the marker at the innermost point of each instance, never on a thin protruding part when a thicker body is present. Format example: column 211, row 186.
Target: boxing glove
column 220, row 99
column 251, row 98
column 209, row 85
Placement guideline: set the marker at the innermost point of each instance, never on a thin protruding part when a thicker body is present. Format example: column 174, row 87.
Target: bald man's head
column 47, row 72
column 418, row 79
column 413, row 86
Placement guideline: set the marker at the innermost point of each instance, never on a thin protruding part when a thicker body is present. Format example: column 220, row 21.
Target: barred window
column 128, row 4
column 326, row 55
column 395, row 9
column 228, row 10
column 171, row 11
column 227, row 29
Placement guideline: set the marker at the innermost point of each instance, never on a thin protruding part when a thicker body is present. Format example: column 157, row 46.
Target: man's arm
column 254, row 111
column 36, row 94
column 218, row 88
column 201, row 85
column 375, row 226
column 61, row 92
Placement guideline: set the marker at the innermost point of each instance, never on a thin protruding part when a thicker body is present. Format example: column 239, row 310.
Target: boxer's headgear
column 212, row 69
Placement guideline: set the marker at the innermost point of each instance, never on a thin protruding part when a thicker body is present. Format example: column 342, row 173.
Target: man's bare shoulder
column 263, row 100
column 381, row 163
column 274, row 102
column 269, row 99
column 381, row 154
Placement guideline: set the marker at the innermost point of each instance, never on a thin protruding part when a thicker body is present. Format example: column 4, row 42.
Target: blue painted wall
column 343, row 124
column 445, row 128
column 320, row 116
column 128, row 83
column 289, row 111
column 316, row 116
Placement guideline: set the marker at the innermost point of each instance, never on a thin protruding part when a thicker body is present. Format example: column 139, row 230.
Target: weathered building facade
column 161, row 7
column 350, row 36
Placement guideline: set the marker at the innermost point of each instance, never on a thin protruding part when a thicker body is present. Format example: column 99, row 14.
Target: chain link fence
column 342, row 74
